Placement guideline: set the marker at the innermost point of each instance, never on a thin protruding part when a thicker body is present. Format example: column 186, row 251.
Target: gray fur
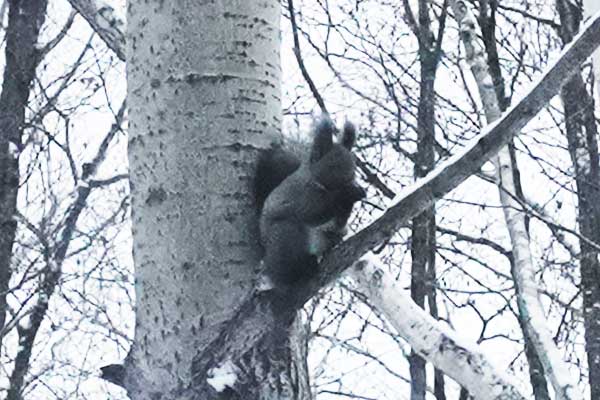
column 306, row 214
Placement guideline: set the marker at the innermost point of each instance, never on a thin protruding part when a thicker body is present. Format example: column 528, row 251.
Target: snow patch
column 53, row 266
column 25, row 322
column 582, row 155
column 264, row 283
column 488, row 168
column 13, row 150
column 222, row 376
column 487, row 81
column 43, row 297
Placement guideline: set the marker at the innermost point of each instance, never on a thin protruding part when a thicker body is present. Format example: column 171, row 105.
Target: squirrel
column 305, row 206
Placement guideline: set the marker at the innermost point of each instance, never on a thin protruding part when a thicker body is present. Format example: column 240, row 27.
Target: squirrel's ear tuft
column 348, row 135
column 323, row 141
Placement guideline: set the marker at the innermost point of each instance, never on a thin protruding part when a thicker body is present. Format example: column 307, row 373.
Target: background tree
column 65, row 278
column 582, row 137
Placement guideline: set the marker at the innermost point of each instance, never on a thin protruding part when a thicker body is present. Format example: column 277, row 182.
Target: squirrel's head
column 332, row 163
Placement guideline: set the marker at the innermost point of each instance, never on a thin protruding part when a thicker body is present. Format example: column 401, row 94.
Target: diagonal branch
column 300, row 60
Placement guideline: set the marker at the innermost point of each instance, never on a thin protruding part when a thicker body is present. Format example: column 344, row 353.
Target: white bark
column 528, row 300
column 456, row 357
column 203, row 84
column 590, row 8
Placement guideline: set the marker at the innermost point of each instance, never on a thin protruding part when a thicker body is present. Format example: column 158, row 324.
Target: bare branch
column 52, row 271
column 60, row 36
column 300, row 60
column 449, row 174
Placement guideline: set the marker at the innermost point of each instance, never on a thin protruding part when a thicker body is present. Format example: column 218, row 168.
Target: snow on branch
column 261, row 312
column 103, row 20
column 454, row 356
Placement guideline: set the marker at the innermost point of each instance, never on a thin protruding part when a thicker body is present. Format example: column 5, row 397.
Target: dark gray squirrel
column 305, row 206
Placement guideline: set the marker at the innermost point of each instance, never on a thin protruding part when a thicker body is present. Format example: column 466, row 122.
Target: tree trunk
column 591, row 7
column 582, row 138
column 276, row 368
column 487, row 22
column 25, row 19
column 423, row 241
column 423, row 245
column 583, row 146
column 204, row 99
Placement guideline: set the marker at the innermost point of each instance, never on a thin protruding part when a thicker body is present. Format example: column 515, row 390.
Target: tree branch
column 300, row 60
column 462, row 361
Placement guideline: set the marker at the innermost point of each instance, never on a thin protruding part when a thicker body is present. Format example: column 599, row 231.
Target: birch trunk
column 460, row 360
column 487, row 22
column 204, row 99
column 528, row 301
